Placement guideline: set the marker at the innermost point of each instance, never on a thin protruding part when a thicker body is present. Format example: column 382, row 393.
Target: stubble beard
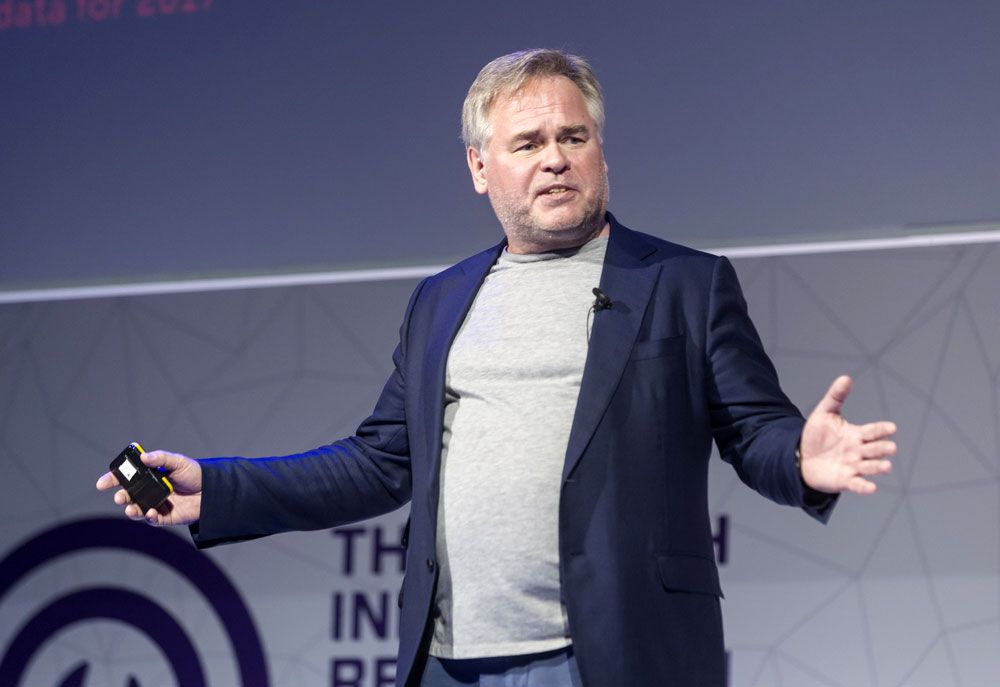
column 531, row 236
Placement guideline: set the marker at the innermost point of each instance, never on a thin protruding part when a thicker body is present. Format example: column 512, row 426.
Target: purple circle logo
column 127, row 606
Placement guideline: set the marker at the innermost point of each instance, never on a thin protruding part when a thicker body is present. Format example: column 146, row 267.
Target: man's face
column 543, row 167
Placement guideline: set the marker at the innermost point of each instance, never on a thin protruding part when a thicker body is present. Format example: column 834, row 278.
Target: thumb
column 163, row 459
column 835, row 396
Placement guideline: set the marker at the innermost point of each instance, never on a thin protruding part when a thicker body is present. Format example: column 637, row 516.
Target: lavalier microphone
column 602, row 300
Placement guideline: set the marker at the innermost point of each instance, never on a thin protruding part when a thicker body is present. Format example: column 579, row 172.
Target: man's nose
column 555, row 159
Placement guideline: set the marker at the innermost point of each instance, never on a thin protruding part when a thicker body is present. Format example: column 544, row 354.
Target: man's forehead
column 540, row 95
column 534, row 87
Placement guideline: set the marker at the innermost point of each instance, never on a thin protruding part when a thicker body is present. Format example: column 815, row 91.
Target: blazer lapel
column 454, row 297
column 628, row 281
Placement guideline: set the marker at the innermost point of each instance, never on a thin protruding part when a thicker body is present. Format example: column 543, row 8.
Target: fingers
column 133, row 512
column 152, row 516
column 121, row 497
column 835, row 396
column 877, row 430
column 106, row 481
column 163, row 459
column 869, row 468
column 877, row 449
column 859, row 485
column 184, row 472
column 156, row 459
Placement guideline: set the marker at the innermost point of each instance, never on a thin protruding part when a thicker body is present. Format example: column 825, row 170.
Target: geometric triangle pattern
column 912, row 574
column 900, row 588
column 251, row 372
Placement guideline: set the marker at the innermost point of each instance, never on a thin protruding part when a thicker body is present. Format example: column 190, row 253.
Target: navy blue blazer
column 673, row 364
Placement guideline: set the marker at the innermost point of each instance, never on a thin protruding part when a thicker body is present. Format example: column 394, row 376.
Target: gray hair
column 508, row 74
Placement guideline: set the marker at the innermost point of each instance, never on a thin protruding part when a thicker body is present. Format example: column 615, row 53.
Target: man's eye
column 527, row 146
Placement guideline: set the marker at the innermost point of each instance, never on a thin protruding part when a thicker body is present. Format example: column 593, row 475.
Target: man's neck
column 557, row 242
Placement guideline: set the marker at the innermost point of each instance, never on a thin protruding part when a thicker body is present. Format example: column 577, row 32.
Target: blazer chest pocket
column 688, row 573
column 657, row 348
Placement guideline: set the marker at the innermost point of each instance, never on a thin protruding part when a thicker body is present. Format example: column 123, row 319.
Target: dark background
column 262, row 136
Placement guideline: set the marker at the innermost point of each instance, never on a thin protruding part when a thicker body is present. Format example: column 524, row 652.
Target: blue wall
column 255, row 135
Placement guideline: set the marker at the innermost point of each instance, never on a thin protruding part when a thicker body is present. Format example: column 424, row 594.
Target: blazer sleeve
column 756, row 427
column 352, row 479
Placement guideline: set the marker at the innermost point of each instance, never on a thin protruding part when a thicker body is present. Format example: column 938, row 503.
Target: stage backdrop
column 169, row 138
column 899, row 589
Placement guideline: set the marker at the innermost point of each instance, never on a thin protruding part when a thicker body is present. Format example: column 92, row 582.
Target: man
column 554, row 447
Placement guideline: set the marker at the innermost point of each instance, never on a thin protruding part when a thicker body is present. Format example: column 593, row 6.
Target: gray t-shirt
column 513, row 377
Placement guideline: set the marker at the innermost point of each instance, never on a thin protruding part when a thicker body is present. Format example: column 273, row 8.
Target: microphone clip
column 602, row 301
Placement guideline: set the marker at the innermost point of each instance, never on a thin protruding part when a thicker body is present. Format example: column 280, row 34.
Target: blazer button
column 430, row 564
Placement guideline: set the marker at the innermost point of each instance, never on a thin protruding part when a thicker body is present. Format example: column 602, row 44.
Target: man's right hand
column 183, row 507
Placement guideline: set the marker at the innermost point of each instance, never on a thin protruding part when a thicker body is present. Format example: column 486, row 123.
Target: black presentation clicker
column 147, row 487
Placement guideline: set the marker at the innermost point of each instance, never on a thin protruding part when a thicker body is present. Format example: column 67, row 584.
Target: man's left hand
column 837, row 455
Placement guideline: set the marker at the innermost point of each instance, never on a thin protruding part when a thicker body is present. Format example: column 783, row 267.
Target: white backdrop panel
column 899, row 589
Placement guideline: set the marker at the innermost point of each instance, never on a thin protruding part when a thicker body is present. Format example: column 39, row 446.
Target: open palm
column 838, row 455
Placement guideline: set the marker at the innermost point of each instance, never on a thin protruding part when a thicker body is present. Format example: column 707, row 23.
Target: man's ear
column 477, row 167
